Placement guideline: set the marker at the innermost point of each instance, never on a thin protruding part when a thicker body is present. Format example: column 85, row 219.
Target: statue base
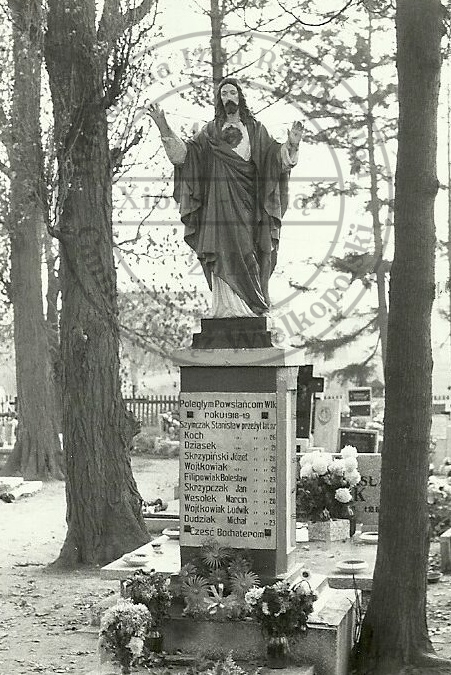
column 233, row 333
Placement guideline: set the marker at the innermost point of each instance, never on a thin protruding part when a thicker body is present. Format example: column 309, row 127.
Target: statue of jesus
column 231, row 184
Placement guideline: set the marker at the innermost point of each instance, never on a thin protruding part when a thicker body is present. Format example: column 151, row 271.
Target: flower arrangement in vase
column 323, row 491
column 152, row 589
column 281, row 610
column 123, row 629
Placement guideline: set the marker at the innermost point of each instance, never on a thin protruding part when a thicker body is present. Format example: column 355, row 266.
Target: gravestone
column 307, row 386
column 364, row 440
column 367, row 493
column 359, row 401
column 327, row 423
column 237, row 445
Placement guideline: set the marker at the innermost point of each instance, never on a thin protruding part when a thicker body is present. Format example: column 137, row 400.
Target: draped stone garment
column 232, row 209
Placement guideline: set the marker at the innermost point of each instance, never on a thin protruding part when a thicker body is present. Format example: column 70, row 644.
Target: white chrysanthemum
column 306, row 471
column 353, row 478
column 343, row 495
column 320, row 465
column 348, row 451
column 337, row 466
column 350, row 464
column 306, row 459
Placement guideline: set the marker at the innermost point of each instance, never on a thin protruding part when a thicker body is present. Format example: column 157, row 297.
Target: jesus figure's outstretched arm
column 174, row 146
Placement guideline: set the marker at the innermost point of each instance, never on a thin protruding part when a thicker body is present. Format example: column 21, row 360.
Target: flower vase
column 277, row 651
column 155, row 641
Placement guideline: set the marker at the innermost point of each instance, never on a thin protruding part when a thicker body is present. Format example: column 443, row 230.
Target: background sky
column 309, row 236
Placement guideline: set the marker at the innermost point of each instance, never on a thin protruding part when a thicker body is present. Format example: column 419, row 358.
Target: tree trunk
column 52, row 322
column 103, row 505
column 37, row 452
column 218, row 58
column 448, row 121
column 382, row 311
column 394, row 631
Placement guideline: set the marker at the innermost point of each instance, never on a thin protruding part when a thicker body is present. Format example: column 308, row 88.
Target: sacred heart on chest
column 232, row 135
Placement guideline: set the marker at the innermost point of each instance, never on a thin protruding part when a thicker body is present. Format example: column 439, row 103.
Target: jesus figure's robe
column 232, row 205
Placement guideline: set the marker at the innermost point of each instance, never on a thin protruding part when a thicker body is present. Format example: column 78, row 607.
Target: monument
column 238, row 392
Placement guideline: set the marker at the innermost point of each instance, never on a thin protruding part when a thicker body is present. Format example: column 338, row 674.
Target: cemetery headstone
column 365, row 440
column 307, row 386
column 359, row 400
column 327, row 423
column 367, row 493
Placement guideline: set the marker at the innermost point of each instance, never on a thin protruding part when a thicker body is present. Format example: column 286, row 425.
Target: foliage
column 123, row 629
column 224, row 667
column 357, row 118
column 281, row 609
column 215, row 583
column 324, row 485
column 439, row 505
column 151, row 589
column 144, row 442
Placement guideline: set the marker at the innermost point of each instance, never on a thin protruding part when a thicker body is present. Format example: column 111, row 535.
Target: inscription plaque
column 228, row 469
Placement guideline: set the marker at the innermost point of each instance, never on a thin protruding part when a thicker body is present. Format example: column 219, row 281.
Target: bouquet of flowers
column 123, row 629
column 151, row 589
column 281, row 609
column 439, row 505
column 324, row 485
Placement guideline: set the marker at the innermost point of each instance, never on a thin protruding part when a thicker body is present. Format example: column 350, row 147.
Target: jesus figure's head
column 229, row 99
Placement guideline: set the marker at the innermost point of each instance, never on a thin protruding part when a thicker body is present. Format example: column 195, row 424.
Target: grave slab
column 27, row 488
column 8, row 483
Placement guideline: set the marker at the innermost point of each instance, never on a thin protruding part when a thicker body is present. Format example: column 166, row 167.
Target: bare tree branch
column 114, row 23
column 330, row 17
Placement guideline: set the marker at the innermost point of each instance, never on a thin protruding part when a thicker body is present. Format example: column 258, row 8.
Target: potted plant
column 123, row 629
column 152, row 589
column 281, row 610
column 214, row 583
column 323, row 492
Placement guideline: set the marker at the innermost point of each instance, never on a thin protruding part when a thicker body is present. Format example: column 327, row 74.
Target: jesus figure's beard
column 230, row 107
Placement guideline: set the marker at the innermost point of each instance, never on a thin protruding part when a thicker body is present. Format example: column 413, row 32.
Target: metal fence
column 147, row 409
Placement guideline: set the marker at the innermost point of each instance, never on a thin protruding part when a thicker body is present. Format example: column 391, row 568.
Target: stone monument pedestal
column 237, row 445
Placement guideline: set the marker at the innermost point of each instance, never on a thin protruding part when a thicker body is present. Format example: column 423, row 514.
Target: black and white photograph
column 225, row 337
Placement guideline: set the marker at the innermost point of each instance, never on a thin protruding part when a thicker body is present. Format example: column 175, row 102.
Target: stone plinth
column 237, row 446
column 326, row 644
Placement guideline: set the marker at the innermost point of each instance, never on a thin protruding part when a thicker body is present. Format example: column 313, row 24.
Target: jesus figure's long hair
column 220, row 113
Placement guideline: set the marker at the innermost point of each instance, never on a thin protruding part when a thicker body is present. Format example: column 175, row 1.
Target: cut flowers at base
column 325, row 483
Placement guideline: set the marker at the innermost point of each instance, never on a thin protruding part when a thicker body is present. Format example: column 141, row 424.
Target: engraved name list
column 228, row 469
